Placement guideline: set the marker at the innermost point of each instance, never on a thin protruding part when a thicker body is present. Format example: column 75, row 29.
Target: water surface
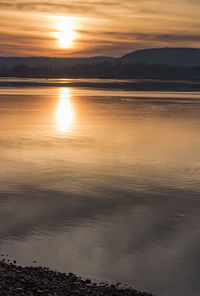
column 103, row 183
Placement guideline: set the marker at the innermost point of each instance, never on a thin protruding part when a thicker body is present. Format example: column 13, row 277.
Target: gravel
column 25, row 281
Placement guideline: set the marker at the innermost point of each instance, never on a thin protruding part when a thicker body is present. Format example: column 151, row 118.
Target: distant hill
column 157, row 63
column 188, row 57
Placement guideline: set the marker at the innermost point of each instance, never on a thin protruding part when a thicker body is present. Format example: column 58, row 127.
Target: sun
column 66, row 33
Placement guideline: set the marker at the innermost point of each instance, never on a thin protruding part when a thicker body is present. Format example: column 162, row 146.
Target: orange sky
column 111, row 27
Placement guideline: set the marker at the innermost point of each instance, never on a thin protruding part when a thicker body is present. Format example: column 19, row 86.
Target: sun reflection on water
column 64, row 113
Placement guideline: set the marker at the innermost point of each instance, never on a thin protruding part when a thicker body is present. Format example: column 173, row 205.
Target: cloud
column 110, row 27
column 61, row 6
column 154, row 36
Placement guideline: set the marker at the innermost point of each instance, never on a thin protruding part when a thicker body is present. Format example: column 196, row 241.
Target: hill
column 157, row 63
column 188, row 57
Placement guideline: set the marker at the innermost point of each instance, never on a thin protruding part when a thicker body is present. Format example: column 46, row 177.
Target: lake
column 103, row 183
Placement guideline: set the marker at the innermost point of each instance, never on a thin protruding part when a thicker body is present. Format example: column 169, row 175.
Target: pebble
column 23, row 281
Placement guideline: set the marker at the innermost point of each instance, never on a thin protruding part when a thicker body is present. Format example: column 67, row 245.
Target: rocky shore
column 25, row 281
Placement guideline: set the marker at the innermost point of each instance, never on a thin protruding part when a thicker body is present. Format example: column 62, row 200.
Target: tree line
column 104, row 70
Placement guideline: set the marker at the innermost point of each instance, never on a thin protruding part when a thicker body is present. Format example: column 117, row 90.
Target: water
column 103, row 183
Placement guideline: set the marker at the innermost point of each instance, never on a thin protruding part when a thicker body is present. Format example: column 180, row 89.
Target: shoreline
column 137, row 85
column 24, row 281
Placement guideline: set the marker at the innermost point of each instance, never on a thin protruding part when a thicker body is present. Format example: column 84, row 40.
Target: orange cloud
column 102, row 27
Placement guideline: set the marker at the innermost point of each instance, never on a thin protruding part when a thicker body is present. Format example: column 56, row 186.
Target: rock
column 24, row 281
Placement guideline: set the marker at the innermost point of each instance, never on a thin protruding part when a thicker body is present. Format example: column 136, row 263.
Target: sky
column 83, row 28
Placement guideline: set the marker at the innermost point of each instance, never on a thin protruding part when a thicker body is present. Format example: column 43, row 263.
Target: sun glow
column 66, row 33
column 64, row 113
